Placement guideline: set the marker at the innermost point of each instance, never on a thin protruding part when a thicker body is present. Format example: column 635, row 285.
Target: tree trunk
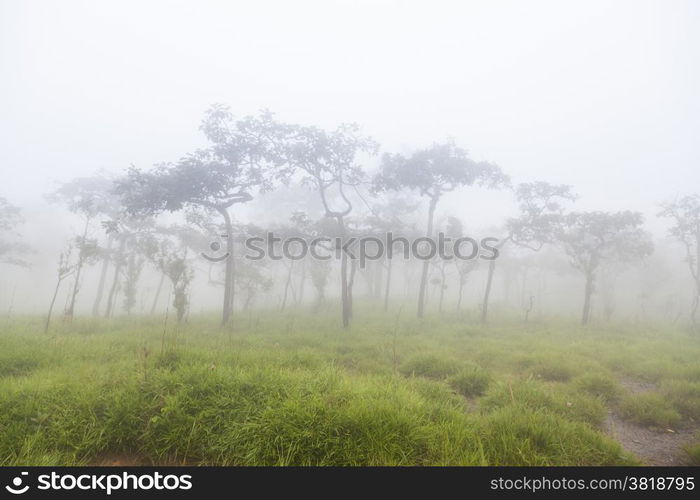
column 462, row 282
column 344, row 297
column 286, row 285
column 388, row 284
column 487, row 292
column 351, row 283
column 378, row 279
column 158, row 290
column 426, row 263
column 442, row 287
column 81, row 259
column 53, row 301
column 302, row 281
column 103, row 278
column 115, row 280
column 585, row 317
column 228, row 278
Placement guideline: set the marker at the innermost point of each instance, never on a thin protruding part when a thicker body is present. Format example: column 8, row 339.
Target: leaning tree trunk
column 115, row 280
column 302, row 281
column 351, row 283
column 585, row 316
column 286, row 285
column 103, row 279
column 426, row 263
column 489, row 283
column 53, row 301
column 462, row 282
column 158, row 290
column 78, row 269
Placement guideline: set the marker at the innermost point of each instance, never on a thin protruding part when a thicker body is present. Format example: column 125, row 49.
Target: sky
column 597, row 94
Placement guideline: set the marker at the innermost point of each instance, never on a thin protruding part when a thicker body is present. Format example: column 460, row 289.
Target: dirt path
column 652, row 446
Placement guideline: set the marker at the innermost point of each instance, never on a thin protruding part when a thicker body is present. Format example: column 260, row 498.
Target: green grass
column 693, row 454
column 430, row 365
column 649, row 409
column 600, row 385
column 471, row 381
column 296, row 389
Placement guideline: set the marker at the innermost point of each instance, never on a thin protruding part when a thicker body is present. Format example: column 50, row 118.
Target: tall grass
column 295, row 389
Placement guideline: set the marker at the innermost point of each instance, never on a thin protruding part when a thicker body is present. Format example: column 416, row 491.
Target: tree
column 592, row 238
column 135, row 238
column 432, row 172
column 327, row 163
column 170, row 258
column 455, row 230
column 388, row 216
column 90, row 197
column 541, row 214
column 11, row 251
column 685, row 216
column 64, row 270
column 244, row 157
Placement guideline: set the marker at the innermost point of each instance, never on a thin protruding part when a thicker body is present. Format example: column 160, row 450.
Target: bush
column 430, row 366
column 534, row 396
column 599, row 385
column 518, row 436
column 693, row 452
column 556, row 370
column 471, row 381
column 684, row 396
column 649, row 409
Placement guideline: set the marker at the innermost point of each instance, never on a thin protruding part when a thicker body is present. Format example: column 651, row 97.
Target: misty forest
column 161, row 302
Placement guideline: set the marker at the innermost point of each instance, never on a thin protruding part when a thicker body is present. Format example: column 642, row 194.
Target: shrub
column 599, row 385
column 518, row 436
column 429, row 365
column 684, row 396
column 649, row 409
column 693, row 452
column 470, row 381
column 557, row 370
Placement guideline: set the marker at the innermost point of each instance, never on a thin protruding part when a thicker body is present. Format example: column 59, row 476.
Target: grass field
column 295, row 389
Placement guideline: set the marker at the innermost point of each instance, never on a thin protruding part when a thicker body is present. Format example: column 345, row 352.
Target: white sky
column 598, row 94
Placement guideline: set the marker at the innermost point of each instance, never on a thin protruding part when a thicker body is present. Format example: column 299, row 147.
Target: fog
column 600, row 96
